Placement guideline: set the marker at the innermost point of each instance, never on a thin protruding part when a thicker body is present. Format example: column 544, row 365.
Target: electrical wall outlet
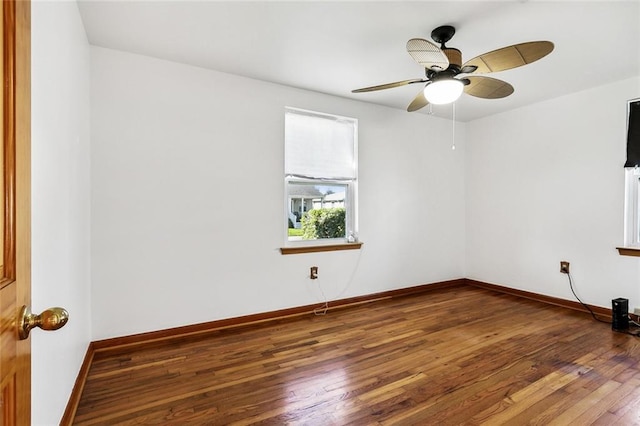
column 313, row 273
column 564, row 266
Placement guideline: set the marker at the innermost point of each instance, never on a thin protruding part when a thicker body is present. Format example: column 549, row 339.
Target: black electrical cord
column 582, row 303
column 591, row 311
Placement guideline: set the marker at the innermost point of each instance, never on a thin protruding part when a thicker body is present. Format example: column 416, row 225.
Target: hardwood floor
column 457, row 356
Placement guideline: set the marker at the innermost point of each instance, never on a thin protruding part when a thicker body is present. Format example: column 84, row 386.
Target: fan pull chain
column 453, row 131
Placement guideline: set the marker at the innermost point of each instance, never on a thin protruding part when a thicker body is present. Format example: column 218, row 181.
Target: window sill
column 315, row 249
column 629, row 251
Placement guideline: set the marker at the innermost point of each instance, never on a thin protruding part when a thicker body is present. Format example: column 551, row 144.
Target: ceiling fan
column 443, row 67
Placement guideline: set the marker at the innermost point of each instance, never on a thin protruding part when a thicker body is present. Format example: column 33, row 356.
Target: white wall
column 180, row 158
column 60, row 201
column 545, row 183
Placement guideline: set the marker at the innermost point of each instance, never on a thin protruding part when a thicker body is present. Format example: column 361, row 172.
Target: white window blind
column 319, row 146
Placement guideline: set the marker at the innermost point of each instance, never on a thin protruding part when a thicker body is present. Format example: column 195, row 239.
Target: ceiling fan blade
column 427, row 54
column 487, row 87
column 389, row 85
column 418, row 102
column 511, row 56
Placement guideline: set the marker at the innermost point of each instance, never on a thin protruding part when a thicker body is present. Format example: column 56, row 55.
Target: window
column 632, row 177
column 320, row 178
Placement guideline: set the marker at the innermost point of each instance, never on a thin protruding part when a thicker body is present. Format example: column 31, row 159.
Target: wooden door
column 15, row 211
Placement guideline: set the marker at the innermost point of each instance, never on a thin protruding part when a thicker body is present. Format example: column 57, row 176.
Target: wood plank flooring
column 456, row 356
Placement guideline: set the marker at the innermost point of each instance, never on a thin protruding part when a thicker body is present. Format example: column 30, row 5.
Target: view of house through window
column 320, row 177
column 316, row 211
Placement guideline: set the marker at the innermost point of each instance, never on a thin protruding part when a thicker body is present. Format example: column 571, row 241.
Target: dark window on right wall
column 632, row 176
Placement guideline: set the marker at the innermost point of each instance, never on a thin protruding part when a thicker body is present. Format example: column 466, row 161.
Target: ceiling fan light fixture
column 443, row 91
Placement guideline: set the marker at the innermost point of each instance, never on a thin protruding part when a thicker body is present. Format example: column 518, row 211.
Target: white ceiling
column 334, row 47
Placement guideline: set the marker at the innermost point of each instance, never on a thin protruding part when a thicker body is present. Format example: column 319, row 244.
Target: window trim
column 628, row 251
column 321, row 248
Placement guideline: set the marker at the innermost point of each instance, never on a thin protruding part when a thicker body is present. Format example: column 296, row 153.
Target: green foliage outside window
column 324, row 223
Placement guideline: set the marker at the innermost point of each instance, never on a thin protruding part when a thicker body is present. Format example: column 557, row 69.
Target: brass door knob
column 51, row 319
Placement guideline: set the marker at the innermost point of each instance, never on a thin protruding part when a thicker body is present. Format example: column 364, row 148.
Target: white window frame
column 631, row 209
column 350, row 211
column 351, row 195
column 631, row 198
